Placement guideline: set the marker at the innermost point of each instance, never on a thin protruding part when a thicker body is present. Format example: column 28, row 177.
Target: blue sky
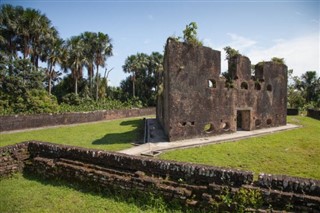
column 258, row 29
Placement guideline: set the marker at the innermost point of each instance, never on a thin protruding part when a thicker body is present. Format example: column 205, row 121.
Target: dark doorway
column 243, row 120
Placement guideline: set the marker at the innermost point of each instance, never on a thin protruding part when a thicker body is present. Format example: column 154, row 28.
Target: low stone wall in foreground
column 193, row 185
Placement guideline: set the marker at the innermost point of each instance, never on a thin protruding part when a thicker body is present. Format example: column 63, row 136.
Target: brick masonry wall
column 314, row 113
column 12, row 158
column 191, row 184
column 292, row 111
column 17, row 122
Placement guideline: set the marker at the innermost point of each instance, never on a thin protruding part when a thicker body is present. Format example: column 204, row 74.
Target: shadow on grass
column 133, row 136
column 145, row 201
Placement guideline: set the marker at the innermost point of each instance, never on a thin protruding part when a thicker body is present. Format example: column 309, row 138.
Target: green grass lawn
column 29, row 194
column 109, row 135
column 294, row 152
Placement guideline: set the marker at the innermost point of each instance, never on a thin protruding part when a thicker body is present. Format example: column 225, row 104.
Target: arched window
column 257, row 86
column 212, row 83
column 269, row 121
column 258, row 123
column 208, row 128
column 244, row 85
column 225, row 126
column 269, row 87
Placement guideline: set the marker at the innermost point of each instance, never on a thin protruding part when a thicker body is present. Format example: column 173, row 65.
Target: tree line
column 27, row 38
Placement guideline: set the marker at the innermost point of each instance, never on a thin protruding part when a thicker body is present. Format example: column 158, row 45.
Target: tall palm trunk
column 76, row 86
column 90, row 72
column 49, row 85
column 133, row 85
column 75, row 75
column 97, row 83
column 50, row 78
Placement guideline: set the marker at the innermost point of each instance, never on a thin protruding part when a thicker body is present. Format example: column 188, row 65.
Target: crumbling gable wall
column 196, row 101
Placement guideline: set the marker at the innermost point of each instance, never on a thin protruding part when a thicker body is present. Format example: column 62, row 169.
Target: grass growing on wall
column 109, row 135
column 295, row 152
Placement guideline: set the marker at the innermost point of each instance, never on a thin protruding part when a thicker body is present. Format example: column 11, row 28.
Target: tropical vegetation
column 72, row 79
column 304, row 91
column 28, row 40
column 142, row 83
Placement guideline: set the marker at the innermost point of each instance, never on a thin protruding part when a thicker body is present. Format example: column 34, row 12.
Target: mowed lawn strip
column 20, row 194
column 109, row 135
column 294, row 152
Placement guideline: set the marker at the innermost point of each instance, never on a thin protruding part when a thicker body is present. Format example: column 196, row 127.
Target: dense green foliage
column 230, row 52
column 21, row 90
column 29, row 34
column 294, row 152
column 278, row 60
column 28, row 37
column 109, row 135
column 190, row 34
column 142, row 84
column 304, row 91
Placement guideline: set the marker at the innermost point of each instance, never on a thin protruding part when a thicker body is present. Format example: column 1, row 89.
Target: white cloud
column 239, row 42
column 300, row 54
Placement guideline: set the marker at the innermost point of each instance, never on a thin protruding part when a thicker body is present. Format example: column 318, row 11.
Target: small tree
column 278, row 60
column 230, row 52
column 190, row 34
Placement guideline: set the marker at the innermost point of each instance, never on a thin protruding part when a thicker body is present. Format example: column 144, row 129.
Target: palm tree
column 35, row 31
column 103, row 49
column 309, row 83
column 75, row 59
column 133, row 64
column 25, row 30
column 52, row 76
column 55, row 55
column 10, row 18
column 89, row 39
column 155, row 67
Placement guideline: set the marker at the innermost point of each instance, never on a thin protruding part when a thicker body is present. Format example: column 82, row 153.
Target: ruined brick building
column 194, row 100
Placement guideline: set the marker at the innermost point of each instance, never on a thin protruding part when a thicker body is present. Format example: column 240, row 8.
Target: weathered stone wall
column 196, row 101
column 12, row 158
column 190, row 173
column 314, row 113
column 191, row 184
column 292, row 111
column 289, row 184
column 17, row 122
